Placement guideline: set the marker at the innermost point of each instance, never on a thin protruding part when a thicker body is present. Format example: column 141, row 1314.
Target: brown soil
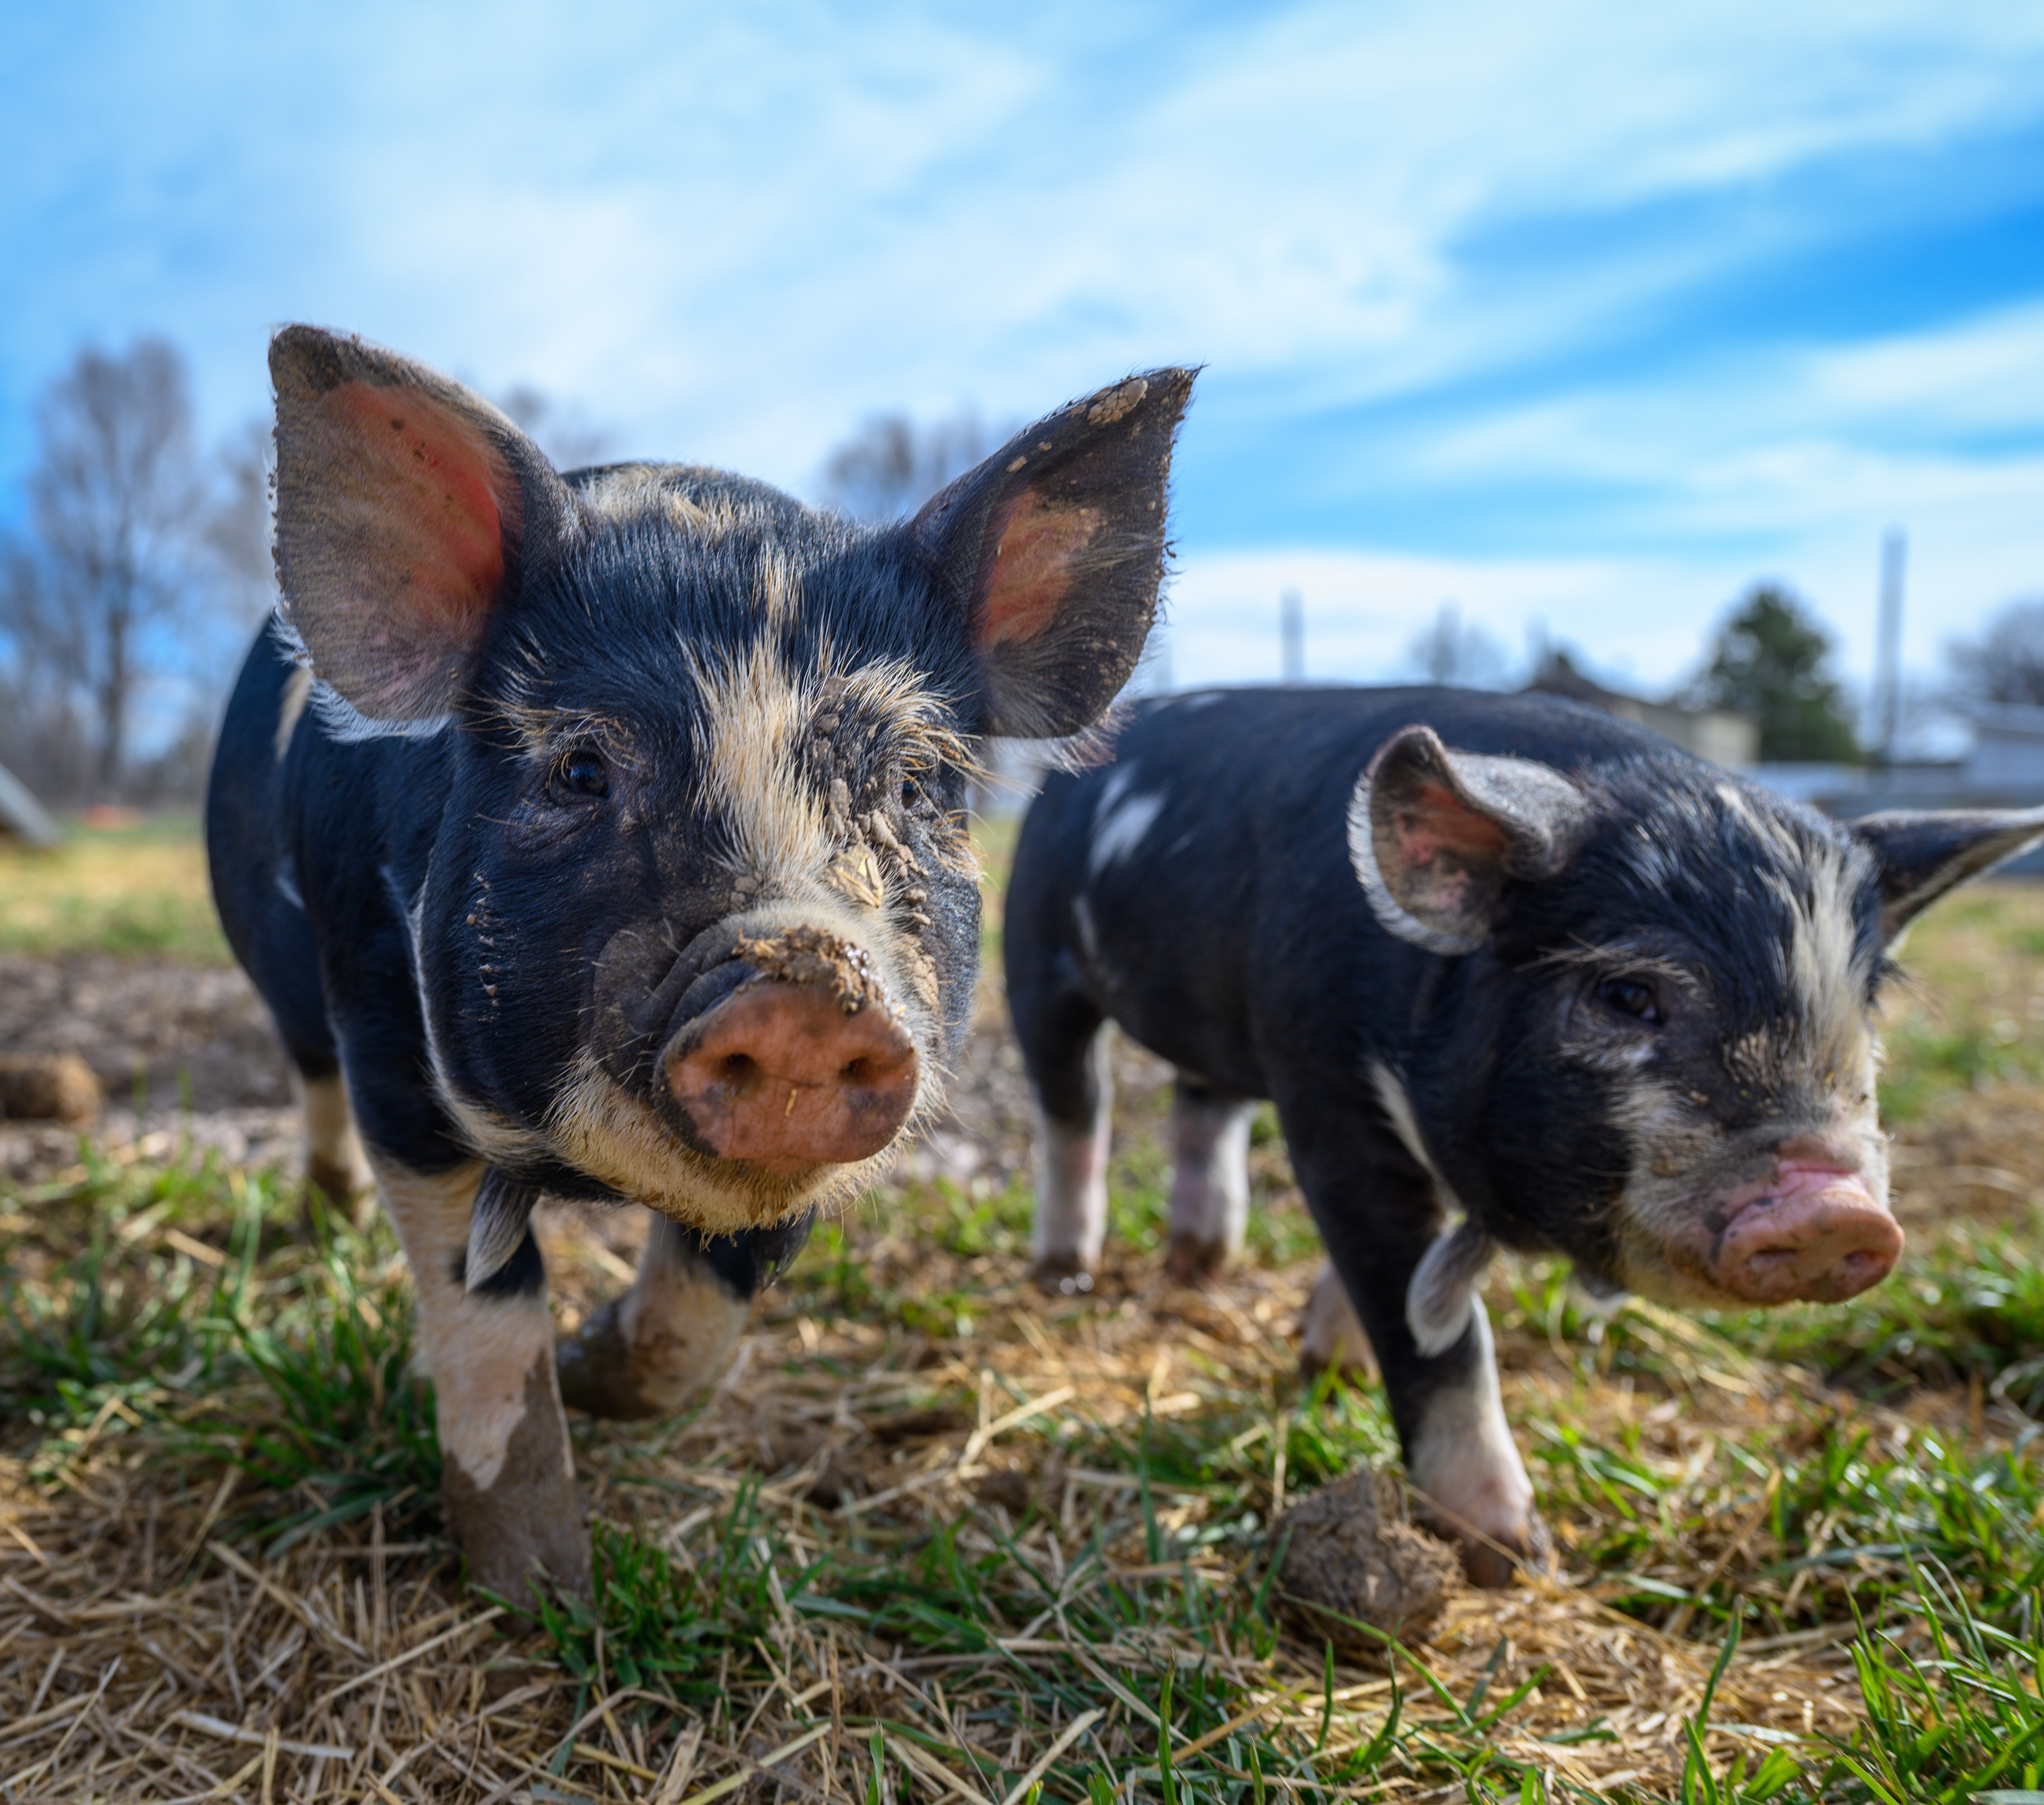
column 1351, row 1557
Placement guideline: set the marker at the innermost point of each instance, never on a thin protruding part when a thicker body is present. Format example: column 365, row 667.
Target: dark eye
column 583, row 773
column 1632, row 997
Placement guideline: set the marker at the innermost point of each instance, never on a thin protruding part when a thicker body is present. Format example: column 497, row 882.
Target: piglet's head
column 684, row 889
column 1653, row 1049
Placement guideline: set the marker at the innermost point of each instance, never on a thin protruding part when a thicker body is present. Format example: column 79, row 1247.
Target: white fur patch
column 479, row 1351
column 1117, row 832
column 1464, row 1458
column 1442, row 1291
column 1210, row 1171
column 331, row 1140
column 1397, row 1105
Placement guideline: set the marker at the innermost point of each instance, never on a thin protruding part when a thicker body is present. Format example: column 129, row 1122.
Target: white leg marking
column 1210, row 1171
column 1464, row 1458
column 1071, row 1175
column 478, row 1351
column 679, row 1323
column 333, row 1149
column 1330, row 1336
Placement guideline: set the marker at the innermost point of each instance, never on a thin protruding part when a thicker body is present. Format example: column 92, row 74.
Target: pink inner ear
column 438, row 486
column 1029, row 573
column 1437, row 820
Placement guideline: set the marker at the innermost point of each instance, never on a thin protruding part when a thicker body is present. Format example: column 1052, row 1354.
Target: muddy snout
column 1815, row 1233
column 798, row 1058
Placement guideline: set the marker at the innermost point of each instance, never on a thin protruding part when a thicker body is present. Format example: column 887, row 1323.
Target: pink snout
column 780, row 1075
column 1815, row 1233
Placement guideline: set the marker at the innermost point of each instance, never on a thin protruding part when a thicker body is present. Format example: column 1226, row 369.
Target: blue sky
column 1582, row 314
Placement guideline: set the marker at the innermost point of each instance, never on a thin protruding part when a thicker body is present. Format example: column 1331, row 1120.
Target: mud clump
column 1348, row 1553
column 811, row 955
column 48, row 1087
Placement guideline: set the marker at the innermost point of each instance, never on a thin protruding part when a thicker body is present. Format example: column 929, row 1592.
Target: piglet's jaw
column 1815, row 1232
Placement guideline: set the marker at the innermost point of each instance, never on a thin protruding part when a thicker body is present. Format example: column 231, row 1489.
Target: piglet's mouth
column 1815, row 1233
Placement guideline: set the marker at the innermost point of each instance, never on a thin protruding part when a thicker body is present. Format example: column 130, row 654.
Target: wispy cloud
column 1599, row 292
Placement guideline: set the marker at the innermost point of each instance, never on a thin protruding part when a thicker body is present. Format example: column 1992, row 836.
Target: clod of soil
column 47, row 1087
column 1351, row 1554
column 812, row 955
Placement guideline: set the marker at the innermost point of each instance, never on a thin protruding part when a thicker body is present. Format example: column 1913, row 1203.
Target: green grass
column 138, row 892
column 1970, row 1011
column 184, row 1316
column 283, row 1356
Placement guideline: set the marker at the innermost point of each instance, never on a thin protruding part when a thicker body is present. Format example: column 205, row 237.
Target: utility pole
column 1291, row 636
column 1887, row 667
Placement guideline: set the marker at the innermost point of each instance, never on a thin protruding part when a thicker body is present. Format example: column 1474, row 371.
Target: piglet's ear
column 1922, row 855
column 1436, row 835
column 1053, row 550
column 406, row 509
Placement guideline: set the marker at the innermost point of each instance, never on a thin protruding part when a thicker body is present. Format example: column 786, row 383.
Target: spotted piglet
column 602, row 835
column 1516, row 973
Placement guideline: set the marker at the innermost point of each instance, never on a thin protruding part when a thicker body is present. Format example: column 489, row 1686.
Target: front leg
column 1379, row 1213
column 1209, row 1207
column 645, row 1351
column 507, row 1486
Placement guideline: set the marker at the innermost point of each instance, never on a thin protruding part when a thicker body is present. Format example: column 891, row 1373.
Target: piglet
column 1514, row 973
column 602, row 835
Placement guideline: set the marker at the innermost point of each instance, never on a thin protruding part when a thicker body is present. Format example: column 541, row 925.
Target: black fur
column 1234, row 939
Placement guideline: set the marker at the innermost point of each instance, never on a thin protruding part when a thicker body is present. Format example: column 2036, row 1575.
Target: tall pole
column 1291, row 636
column 1888, row 669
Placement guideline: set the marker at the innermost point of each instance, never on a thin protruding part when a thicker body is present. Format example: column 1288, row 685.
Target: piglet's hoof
column 520, row 1523
column 1492, row 1561
column 1193, row 1259
column 608, row 1371
column 1061, row 1275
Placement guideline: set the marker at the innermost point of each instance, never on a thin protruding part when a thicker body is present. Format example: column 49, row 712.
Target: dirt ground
column 912, row 1414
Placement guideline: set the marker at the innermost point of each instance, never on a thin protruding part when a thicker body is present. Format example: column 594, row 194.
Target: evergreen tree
column 1771, row 663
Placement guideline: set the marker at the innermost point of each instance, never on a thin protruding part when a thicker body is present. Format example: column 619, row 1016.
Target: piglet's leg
column 1072, row 1137
column 645, row 1351
column 1209, row 1207
column 507, row 1474
column 1379, row 1214
column 1330, row 1336
column 335, row 1163
column 1464, row 1460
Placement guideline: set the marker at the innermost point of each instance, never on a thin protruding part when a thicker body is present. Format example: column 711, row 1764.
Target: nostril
column 739, row 1070
column 857, row 1071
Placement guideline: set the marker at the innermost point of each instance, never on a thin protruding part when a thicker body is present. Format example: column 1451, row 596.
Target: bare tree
column 237, row 522
column 570, row 442
column 892, row 464
column 2006, row 663
column 1450, row 652
column 116, row 508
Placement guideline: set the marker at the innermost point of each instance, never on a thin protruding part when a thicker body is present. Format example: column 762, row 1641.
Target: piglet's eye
column 583, row 773
column 1632, row 997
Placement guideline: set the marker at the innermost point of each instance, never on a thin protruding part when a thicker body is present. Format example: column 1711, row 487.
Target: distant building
column 22, row 818
column 2003, row 769
column 1712, row 734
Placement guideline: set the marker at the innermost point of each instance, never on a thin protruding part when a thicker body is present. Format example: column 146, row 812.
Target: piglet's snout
column 1816, row 1232
column 782, row 1073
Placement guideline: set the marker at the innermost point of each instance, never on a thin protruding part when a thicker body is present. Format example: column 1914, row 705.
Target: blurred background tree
column 127, row 530
column 893, row 464
column 2005, row 664
column 1448, row 650
column 1771, row 662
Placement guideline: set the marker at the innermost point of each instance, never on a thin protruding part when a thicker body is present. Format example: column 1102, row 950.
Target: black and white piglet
column 602, row 835
column 1514, row 973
